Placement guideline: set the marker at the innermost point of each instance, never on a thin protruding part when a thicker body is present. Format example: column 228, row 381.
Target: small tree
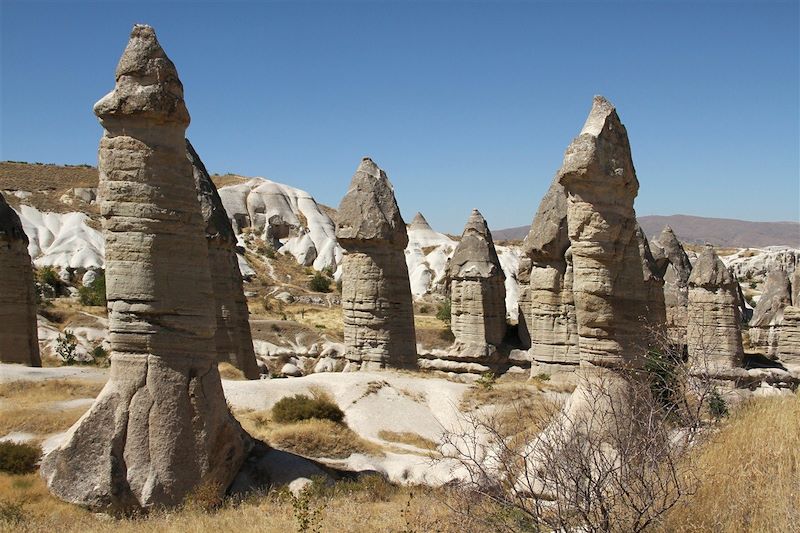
column 94, row 294
column 443, row 313
column 66, row 347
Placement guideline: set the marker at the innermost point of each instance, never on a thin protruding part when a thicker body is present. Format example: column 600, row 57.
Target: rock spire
column 161, row 426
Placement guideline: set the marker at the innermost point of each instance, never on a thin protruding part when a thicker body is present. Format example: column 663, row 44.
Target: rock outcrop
column 713, row 334
column 478, row 307
column 547, row 320
column 18, row 338
column 233, row 340
column 611, row 298
column 767, row 317
column 674, row 267
column 788, row 349
column 376, row 295
column 591, row 290
column 161, row 427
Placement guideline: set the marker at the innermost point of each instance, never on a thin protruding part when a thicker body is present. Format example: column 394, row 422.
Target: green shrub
column 48, row 284
column 18, row 457
column 717, row 406
column 443, row 313
column 100, row 356
column 301, row 407
column 94, row 294
column 662, row 371
column 320, row 283
column 486, row 381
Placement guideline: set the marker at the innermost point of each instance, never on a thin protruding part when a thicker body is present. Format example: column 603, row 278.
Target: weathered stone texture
column 478, row 310
column 713, row 335
column 788, row 349
column 611, row 299
column 18, row 336
column 161, row 426
column 376, row 294
column 548, row 323
column 765, row 325
column 233, row 340
column 674, row 267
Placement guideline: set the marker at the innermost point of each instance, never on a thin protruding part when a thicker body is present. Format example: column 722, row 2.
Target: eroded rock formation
column 713, row 334
column 478, row 308
column 376, row 295
column 161, row 426
column 18, row 335
column 233, row 340
column 611, row 298
column 547, row 320
column 674, row 267
column 765, row 325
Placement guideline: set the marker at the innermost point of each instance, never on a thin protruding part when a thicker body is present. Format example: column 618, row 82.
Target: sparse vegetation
column 301, row 407
column 320, row 283
column 407, row 437
column 443, row 313
column 19, row 457
column 94, row 294
column 66, row 347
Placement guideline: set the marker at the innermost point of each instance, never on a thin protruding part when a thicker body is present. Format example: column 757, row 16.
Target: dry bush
column 310, row 438
column 748, row 472
column 407, row 437
column 19, row 457
column 320, row 438
column 611, row 460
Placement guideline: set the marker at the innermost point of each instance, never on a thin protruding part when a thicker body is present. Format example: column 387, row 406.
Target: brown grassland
column 749, row 472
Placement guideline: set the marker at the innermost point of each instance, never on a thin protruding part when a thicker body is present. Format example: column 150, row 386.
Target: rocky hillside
column 724, row 232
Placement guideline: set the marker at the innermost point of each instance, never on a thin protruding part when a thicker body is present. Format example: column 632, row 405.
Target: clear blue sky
column 463, row 104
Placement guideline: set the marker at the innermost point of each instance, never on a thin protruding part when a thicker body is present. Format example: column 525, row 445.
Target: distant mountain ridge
column 724, row 232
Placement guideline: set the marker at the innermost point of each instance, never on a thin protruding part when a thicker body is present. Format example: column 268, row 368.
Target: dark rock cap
column 147, row 84
column 10, row 223
column 548, row 239
column 475, row 256
column 710, row 272
column 369, row 211
column 601, row 153
column 217, row 223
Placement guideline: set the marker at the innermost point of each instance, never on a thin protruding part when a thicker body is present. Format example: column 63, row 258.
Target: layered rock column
column 477, row 291
column 233, row 340
column 767, row 317
column 376, row 294
column 161, row 426
column 674, row 267
column 19, row 342
column 713, row 334
column 548, row 324
column 611, row 298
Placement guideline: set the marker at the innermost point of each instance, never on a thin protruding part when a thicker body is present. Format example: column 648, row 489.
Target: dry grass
column 367, row 505
column 47, row 183
column 749, row 473
column 407, row 437
column 223, row 180
column 432, row 333
column 228, row 371
column 28, row 406
column 310, row 438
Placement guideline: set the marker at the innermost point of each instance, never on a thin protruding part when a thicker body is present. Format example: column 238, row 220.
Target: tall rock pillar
column 477, row 291
column 161, row 426
column 233, row 340
column 376, row 294
column 611, row 298
column 713, row 334
column 18, row 333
